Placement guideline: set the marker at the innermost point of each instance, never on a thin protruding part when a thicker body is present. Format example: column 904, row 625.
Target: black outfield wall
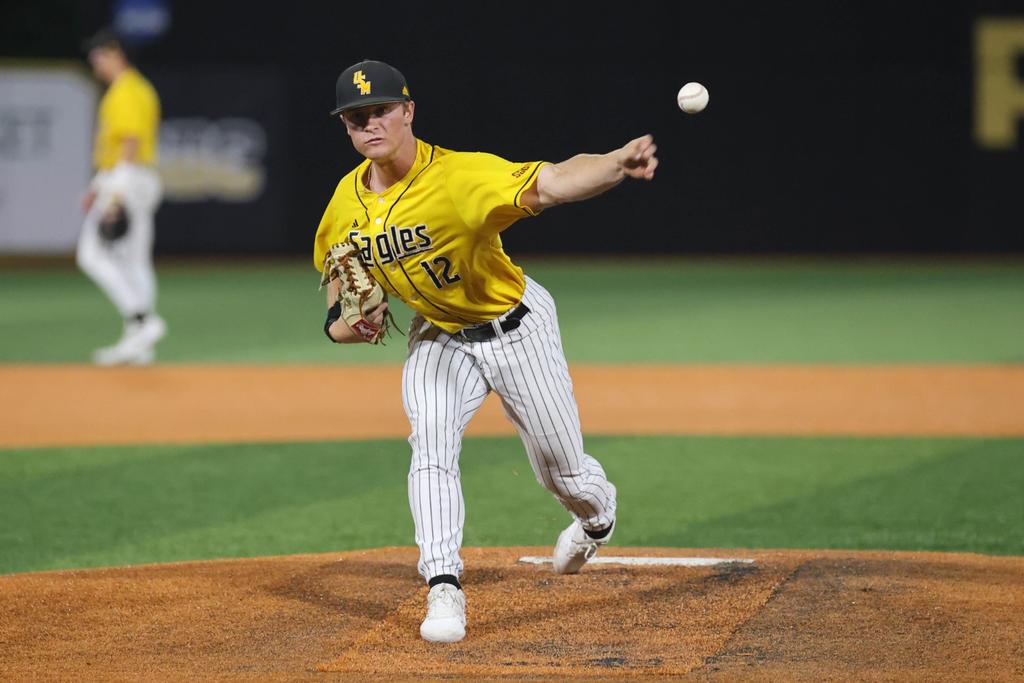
column 832, row 127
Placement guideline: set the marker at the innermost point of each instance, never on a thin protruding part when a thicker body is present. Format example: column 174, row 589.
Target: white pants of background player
column 123, row 268
column 446, row 379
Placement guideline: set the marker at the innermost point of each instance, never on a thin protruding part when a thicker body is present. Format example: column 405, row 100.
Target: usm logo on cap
column 359, row 80
column 405, row 91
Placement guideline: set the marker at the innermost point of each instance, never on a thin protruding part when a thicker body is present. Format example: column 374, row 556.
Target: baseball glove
column 358, row 292
column 114, row 222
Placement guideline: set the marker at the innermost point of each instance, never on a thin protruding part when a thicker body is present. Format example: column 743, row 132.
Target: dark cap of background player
column 106, row 37
column 369, row 82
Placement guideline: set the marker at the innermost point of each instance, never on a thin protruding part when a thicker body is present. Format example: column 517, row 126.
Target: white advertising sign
column 46, row 126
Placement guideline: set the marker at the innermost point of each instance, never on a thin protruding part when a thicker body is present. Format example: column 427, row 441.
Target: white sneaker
column 446, row 615
column 136, row 344
column 148, row 333
column 574, row 548
column 123, row 354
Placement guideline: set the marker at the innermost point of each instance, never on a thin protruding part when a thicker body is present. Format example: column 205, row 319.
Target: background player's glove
column 114, row 222
column 358, row 292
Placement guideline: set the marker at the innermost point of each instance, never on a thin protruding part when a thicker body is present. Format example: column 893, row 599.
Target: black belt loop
column 486, row 331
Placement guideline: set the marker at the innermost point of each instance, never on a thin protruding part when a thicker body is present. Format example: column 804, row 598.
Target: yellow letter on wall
column 998, row 91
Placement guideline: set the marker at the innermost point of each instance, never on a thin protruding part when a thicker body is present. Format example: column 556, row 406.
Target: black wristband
column 333, row 313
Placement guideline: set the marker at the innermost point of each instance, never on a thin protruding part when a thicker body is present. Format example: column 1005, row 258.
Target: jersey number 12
column 446, row 276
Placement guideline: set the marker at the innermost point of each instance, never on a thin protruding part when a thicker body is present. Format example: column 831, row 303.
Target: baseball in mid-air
column 692, row 98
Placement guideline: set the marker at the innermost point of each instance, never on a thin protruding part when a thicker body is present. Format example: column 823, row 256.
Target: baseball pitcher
column 423, row 223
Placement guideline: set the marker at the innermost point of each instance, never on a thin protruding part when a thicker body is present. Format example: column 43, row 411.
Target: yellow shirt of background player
column 432, row 239
column 129, row 109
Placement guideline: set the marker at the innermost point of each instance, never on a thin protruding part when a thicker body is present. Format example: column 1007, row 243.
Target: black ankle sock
column 445, row 578
column 138, row 318
column 600, row 533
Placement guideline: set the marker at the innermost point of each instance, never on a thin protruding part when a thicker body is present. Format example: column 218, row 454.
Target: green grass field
column 77, row 507
column 660, row 311
column 80, row 507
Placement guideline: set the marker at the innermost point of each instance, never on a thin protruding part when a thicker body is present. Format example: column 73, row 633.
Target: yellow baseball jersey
column 433, row 239
column 129, row 109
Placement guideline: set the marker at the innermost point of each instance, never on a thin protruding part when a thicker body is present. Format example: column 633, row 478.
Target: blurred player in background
column 115, row 248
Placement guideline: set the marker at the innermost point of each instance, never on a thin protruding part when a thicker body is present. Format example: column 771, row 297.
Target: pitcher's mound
column 351, row 616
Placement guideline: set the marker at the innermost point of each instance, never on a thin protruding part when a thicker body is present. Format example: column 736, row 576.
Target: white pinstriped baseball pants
column 446, row 379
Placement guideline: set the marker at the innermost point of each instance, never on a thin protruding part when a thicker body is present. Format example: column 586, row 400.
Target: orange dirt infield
column 800, row 615
column 60, row 405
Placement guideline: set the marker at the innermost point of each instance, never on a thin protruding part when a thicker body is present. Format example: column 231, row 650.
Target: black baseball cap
column 369, row 82
column 105, row 37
